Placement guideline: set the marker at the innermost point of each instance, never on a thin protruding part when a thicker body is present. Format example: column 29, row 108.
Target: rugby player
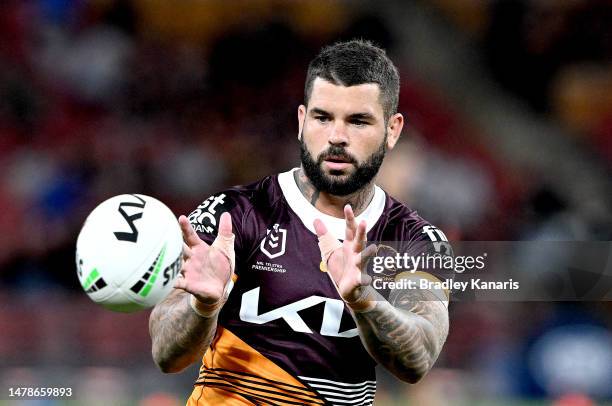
column 302, row 324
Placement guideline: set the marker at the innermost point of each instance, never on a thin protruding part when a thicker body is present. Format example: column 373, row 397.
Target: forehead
column 338, row 99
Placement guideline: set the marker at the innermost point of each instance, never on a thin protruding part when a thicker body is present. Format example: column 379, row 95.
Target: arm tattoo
column 178, row 334
column 407, row 334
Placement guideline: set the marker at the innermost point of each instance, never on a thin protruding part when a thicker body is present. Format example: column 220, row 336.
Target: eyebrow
column 362, row 116
column 358, row 116
column 322, row 112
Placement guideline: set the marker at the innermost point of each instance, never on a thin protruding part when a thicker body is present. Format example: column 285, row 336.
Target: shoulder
column 237, row 200
column 406, row 224
column 409, row 233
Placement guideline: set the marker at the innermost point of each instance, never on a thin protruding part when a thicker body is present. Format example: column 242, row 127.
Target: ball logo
column 144, row 285
column 131, row 236
column 93, row 282
column 146, row 282
column 273, row 245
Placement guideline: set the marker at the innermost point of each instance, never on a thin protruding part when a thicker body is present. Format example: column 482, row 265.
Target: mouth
column 337, row 162
column 338, row 159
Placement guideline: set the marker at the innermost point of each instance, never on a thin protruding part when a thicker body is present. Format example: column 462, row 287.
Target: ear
column 301, row 117
column 394, row 129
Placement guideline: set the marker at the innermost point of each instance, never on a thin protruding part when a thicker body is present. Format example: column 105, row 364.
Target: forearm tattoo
column 405, row 334
column 178, row 334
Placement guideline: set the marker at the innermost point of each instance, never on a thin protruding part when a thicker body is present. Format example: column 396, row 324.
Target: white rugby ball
column 128, row 253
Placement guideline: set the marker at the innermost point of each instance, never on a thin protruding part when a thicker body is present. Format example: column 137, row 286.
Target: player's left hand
column 347, row 260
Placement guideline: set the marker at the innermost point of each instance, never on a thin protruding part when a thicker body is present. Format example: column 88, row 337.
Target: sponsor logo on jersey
column 273, row 244
column 205, row 218
column 268, row 267
column 330, row 325
column 439, row 240
column 434, row 233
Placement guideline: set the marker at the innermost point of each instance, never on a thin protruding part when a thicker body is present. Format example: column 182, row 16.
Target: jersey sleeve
column 415, row 256
column 205, row 218
column 428, row 242
column 414, row 245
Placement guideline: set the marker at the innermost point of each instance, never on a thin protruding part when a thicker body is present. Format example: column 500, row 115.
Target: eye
column 359, row 123
column 322, row 119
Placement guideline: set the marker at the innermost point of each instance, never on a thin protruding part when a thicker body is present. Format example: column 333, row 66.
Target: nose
column 338, row 135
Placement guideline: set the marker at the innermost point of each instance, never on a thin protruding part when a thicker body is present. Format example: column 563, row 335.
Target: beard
column 337, row 183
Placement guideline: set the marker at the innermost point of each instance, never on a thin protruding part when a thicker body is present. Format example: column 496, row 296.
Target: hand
column 346, row 262
column 206, row 269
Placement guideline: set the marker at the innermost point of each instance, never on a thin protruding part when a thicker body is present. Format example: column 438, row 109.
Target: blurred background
column 509, row 137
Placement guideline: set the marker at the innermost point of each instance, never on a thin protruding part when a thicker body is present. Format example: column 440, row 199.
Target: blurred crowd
column 104, row 97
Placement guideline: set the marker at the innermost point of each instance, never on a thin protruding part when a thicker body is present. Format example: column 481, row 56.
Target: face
column 344, row 136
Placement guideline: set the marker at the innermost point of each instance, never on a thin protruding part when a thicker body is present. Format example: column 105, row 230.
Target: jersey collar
column 308, row 213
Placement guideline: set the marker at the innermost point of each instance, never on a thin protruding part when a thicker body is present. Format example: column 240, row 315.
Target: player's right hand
column 346, row 261
column 207, row 269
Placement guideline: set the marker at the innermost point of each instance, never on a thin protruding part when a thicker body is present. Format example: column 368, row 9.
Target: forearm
column 179, row 336
column 406, row 337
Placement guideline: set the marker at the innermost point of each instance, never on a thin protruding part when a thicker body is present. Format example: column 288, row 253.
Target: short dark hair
column 353, row 63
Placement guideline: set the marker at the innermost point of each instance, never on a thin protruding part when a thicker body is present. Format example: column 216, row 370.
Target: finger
column 360, row 237
column 224, row 243
column 364, row 256
column 349, row 235
column 180, row 282
column 351, row 224
column 320, row 228
column 186, row 252
column 364, row 279
column 225, row 225
column 189, row 235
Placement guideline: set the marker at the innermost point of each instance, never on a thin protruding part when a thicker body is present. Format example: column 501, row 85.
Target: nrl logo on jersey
column 273, row 244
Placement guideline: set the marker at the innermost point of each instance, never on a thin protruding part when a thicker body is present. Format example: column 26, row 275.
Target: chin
column 335, row 174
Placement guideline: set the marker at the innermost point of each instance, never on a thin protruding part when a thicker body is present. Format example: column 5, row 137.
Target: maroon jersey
column 285, row 335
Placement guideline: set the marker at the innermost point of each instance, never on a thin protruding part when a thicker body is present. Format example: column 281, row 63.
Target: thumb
column 225, row 225
column 320, row 228
column 327, row 243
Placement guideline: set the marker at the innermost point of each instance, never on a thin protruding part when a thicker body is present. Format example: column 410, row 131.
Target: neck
column 332, row 204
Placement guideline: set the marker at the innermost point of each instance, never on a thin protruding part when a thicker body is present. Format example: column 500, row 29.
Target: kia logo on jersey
column 330, row 325
column 273, row 245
